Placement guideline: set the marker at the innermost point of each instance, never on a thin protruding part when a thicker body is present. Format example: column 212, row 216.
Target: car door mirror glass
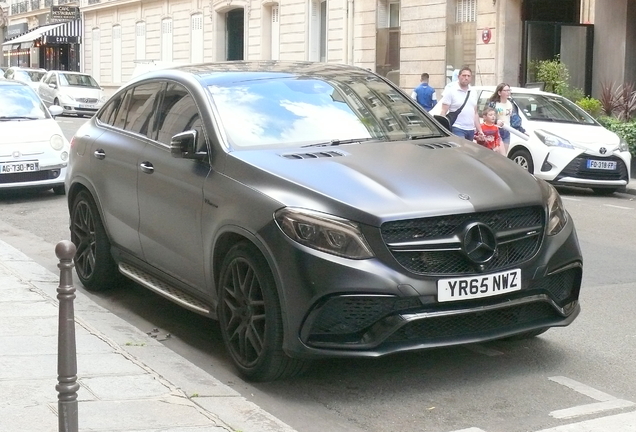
column 183, row 145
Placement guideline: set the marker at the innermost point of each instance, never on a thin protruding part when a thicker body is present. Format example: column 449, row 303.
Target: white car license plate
column 17, row 167
column 87, row 106
column 478, row 286
column 599, row 164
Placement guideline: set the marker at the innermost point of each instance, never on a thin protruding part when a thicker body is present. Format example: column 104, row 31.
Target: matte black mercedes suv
column 315, row 210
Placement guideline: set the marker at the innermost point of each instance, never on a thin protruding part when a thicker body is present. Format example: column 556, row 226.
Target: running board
column 162, row 288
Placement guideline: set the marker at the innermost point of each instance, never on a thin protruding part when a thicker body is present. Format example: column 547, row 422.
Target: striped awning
column 60, row 33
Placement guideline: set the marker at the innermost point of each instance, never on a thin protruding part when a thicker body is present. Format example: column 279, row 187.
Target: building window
column 461, row 35
column 270, row 40
column 140, row 40
column 466, row 11
column 96, row 60
column 166, row 39
column 388, row 40
column 196, row 38
column 116, row 54
column 318, row 30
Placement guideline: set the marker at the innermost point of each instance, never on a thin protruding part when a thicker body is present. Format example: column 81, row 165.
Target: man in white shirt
column 467, row 122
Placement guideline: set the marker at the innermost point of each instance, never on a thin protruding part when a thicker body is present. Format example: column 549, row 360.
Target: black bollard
column 66, row 352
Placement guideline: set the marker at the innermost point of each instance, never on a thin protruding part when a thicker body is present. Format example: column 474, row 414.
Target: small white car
column 564, row 144
column 30, row 76
column 33, row 149
column 77, row 93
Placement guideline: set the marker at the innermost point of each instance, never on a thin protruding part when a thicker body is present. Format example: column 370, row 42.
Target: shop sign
column 64, row 13
column 61, row 40
column 16, row 30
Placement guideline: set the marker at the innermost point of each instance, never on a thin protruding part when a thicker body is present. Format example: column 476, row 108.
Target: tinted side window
column 178, row 113
column 120, row 115
column 142, row 108
column 108, row 113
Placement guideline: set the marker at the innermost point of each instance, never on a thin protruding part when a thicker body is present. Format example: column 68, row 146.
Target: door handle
column 147, row 167
column 100, row 154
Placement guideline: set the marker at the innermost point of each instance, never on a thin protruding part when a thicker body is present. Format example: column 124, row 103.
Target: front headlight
column 57, row 142
column 553, row 140
column 623, row 146
column 323, row 232
column 102, row 98
column 557, row 216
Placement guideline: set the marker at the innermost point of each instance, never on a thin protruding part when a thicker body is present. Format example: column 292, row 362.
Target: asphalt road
column 567, row 375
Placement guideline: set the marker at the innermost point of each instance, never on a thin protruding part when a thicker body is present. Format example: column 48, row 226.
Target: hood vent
column 314, row 155
column 439, row 145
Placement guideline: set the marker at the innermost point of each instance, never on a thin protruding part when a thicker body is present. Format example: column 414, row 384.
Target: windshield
column 20, row 102
column 292, row 111
column 29, row 75
column 551, row 108
column 78, row 80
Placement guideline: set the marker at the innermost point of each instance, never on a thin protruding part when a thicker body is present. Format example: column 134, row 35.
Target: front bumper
column 339, row 307
column 80, row 109
column 46, row 177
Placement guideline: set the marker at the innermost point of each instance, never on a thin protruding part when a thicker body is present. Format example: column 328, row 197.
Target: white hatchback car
column 33, row 149
column 564, row 144
column 76, row 92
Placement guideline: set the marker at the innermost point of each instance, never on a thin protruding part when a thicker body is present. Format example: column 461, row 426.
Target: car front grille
column 442, row 253
column 86, row 100
column 578, row 168
column 474, row 323
column 26, row 177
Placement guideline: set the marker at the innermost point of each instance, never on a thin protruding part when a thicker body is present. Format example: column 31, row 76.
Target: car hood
column 16, row 135
column 374, row 182
column 590, row 137
column 82, row 92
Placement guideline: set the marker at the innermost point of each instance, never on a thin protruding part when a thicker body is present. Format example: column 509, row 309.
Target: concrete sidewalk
column 128, row 380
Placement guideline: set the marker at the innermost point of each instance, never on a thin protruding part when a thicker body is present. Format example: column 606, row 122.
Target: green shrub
column 591, row 105
column 625, row 130
column 554, row 74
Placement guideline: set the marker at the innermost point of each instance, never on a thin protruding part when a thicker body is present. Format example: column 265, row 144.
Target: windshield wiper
column 424, row 136
column 9, row 118
column 335, row 142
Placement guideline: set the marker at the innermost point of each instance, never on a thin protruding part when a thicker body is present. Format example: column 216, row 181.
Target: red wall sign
column 486, row 34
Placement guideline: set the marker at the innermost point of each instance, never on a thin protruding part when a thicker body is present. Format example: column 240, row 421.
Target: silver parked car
column 315, row 210
column 76, row 92
column 30, row 76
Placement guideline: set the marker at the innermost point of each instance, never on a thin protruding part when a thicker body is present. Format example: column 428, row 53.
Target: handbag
column 452, row 116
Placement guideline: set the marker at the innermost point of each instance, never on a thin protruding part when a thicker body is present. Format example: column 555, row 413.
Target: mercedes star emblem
column 479, row 243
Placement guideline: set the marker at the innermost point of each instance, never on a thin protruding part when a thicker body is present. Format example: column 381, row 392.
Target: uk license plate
column 17, row 167
column 601, row 164
column 478, row 286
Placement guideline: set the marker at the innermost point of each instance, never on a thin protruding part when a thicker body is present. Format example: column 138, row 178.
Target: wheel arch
column 83, row 185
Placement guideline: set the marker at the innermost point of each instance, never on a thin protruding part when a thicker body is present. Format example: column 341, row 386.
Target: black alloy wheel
column 94, row 264
column 522, row 158
column 250, row 317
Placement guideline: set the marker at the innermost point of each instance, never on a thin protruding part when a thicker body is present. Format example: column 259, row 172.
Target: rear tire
column 250, row 317
column 94, row 263
column 522, row 158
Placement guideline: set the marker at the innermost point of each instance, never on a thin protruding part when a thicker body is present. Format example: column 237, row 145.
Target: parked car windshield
column 29, row 75
column 20, row 102
column 551, row 108
column 294, row 111
column 78, row 80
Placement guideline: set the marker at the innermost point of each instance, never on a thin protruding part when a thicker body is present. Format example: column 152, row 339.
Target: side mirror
column 443, row 121
column 53, row 86
column 183, row 145
column 56, row 110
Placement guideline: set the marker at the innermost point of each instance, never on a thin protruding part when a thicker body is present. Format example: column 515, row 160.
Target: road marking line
column 472, row 429
column 479, row 349
column 621, row 422
column 618, row 207
column 606, row 401
column 591, row 408
column 582, row 388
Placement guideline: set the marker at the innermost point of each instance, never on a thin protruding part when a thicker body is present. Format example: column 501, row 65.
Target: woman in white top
column 502, row 105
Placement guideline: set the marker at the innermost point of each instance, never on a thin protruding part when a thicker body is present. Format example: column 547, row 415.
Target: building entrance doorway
column 234, row 34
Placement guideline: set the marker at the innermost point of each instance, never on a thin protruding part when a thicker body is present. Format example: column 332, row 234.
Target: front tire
column 250, row 317
column 94, row 263
column 522, row 158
